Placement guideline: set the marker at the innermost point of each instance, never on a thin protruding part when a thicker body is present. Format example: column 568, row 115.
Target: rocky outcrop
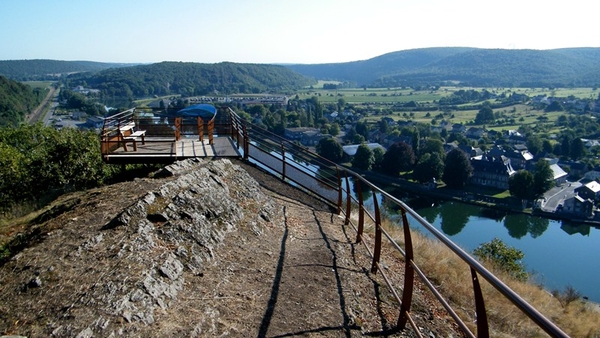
column 109, row 277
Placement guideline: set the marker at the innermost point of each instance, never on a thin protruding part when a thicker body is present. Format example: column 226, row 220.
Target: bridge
column 135, row 136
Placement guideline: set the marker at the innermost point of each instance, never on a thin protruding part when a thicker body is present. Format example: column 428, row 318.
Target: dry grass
column 452, row 277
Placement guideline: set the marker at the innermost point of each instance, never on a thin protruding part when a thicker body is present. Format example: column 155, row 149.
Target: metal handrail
column 279, row 149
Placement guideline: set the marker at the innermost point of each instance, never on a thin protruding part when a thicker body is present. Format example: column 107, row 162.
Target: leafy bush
column 503, row 257
column 36, row 160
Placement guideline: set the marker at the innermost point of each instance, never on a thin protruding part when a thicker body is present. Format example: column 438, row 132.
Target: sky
column 283, row 31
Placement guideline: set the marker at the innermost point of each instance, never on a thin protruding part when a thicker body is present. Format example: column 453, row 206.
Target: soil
column 304, row 275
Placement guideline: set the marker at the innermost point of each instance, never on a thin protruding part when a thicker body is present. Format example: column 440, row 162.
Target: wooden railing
column 331, row 182
column 155, row 127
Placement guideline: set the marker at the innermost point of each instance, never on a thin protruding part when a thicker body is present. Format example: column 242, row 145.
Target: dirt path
column 299, row 274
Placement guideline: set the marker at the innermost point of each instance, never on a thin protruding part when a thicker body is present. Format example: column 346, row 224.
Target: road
column 36, row 115
column 557, row 195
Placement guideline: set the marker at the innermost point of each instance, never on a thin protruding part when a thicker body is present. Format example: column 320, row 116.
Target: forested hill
column 367, row 71
column 191, row 79
column 17, row 100
column 25, row 70
column 468, row 66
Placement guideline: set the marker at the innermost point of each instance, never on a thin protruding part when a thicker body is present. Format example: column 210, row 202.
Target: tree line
column 17, row 100
column 189, row 79
column 37, row 162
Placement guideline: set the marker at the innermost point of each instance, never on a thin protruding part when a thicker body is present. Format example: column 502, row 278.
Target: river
column 557, row 255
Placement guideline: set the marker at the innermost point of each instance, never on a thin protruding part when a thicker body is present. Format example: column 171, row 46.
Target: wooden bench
column 127, row 134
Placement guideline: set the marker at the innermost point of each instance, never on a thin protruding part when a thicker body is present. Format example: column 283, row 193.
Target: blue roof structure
column 205, row 111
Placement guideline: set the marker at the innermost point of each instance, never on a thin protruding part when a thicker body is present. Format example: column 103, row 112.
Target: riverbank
column 506, row 204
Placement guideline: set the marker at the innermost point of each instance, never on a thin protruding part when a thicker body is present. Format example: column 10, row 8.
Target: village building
column 306, row 136
column 491, row 171
column 578, row 206
column 590, row 190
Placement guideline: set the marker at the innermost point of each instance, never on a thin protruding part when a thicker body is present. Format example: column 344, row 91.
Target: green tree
column 431, row 146
column 362, row 128
column 484, row 115
column 378, row 154
column 577, row 149
column 363, row 159
column 430, row 166
column 543, row 178
column 521, row 185
column 457, row 169
column 534, row 144
column 399, row 157
column 330, row 149
column 547, row 146
column 334, row 129
column 503, row 257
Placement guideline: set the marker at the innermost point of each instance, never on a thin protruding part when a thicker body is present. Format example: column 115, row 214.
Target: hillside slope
column 467, row 66
column 25, row 70
column 191, row 79
column 206, row 250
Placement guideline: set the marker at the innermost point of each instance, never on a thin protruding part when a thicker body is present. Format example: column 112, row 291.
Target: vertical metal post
column 482, row 322
column 200, row 123
column 246, row 146
column 361, row 213
column 409, row 273
column 348, row 202
column 283, row 162
column 339, row 185
column 377, row 249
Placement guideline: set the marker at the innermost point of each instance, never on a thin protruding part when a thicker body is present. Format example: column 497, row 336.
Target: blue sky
column 283, row 31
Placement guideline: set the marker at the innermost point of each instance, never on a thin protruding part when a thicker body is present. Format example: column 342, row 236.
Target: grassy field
column 39, row 84
column 392, row 95
column 385, row 98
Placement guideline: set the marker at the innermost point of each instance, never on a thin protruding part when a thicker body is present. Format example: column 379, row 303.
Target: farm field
column 393, row 95
column 387, row 102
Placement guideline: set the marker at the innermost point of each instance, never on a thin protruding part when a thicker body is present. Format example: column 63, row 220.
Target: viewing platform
column 136, row 136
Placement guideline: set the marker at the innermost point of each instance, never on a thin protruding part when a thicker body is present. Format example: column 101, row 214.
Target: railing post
column 200, row 129
column 211, row 131
column 377, row 249
column 246, row 142
column 177, row 128
column 282, row 162
column 483, row 330
column 339, row 179
column 409, row 273
column 348, row 202
column 361, row 212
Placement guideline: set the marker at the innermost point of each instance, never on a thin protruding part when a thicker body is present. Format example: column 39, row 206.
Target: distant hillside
column 367, row 71
column 191, row 79
column 24, row 70
column 468, row 66
column 17, row 100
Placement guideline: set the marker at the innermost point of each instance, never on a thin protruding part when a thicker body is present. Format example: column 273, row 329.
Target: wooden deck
column 167, row 150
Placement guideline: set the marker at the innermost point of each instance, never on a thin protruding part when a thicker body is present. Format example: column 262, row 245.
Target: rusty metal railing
column 295, row 164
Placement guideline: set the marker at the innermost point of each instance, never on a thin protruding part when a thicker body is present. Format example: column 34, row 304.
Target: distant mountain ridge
column 467, row 66
column 42, row 69
column 191, row 79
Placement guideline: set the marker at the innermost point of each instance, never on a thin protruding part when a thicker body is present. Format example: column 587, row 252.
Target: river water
column 557, row 254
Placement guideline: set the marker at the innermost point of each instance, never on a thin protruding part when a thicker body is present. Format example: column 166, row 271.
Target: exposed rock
column 137, row 264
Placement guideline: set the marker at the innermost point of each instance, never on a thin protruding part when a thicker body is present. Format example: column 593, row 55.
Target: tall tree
column 543, row 177
column 521, row 185
column 577, row 149
column 457, row 169
column 485, row 115
column 399, row 157
column 330, row 149
column 430, row 166
column 431, row 146
column 363, row 159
